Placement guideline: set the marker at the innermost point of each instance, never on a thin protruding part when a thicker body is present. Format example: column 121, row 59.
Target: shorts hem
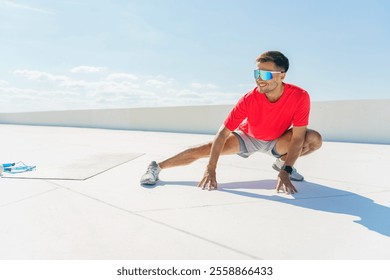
column 255, row 145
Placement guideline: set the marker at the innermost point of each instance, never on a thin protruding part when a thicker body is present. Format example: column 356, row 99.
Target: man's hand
column 209, row 180
column 284, row 180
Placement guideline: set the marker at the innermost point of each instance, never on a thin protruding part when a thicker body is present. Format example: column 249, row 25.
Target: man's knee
column 313, row 140
column 232, row 145
column 208, row 147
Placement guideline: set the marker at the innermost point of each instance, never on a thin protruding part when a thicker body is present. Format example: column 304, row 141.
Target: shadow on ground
column 321, row 198
column 313, row 196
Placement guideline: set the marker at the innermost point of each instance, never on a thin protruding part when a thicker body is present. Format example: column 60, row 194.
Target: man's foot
column 151, row 175
column 294, row 176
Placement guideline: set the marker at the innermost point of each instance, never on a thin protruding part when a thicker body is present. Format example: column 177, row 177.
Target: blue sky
column 59, row 55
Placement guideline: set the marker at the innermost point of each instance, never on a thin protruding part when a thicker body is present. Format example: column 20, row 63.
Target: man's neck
column 274, row 95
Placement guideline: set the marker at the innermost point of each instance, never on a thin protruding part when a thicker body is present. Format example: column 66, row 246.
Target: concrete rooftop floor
column 342, row 210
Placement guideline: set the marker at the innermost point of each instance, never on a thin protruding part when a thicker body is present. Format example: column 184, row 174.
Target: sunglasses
column 265, row 75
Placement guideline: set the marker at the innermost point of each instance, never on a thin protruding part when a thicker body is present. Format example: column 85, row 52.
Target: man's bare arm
column 209, row 178
column 294, row 150
column 296, row 144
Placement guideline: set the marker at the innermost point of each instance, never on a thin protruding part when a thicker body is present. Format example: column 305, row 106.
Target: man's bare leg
column 232, row 146
column 313, row 141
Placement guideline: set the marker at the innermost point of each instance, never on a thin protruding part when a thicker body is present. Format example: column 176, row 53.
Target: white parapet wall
column 364, row 121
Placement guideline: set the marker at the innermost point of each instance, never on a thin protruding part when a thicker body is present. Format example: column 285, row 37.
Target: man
column 272, row 119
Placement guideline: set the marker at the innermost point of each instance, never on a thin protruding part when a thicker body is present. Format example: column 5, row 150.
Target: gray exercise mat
column 72, row 168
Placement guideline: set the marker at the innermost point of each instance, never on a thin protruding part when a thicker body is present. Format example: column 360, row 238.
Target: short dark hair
column 276, row 57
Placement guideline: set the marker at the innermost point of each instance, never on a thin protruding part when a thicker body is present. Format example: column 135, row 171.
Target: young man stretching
column 272, row 119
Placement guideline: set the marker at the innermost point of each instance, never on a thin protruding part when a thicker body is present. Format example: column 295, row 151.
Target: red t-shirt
column 264, row 120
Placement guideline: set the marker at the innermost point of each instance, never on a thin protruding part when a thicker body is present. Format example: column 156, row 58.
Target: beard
column 266, row 87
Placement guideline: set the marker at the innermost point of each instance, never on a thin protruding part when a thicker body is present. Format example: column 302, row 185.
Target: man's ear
column 283, row 75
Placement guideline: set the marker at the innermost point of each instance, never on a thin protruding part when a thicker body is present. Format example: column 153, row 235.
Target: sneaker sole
column 148, row 182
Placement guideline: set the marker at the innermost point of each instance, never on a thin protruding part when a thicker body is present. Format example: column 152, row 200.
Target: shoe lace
column 152, row 170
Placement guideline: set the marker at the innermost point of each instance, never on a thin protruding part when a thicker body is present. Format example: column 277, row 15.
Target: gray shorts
column 250, row 145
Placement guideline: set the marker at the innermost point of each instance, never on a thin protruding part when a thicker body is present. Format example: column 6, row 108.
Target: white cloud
column 39, row 75
column 47, row 91
column 203, row 86
column 3, row 83
column 247, row 86
column 14, row 5
column 87, row 69
column 99, row 86
column 189, row 94
column 122, row 76
column 159, row 82
column 155, row 83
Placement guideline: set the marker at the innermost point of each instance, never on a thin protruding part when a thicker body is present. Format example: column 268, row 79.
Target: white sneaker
column 151, row 175
column 294, row 176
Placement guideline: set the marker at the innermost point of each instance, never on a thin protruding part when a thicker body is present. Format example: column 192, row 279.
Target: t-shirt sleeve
column 301, row 116
column 237, row 115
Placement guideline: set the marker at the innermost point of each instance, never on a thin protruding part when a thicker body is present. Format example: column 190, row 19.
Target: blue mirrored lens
column 257, row 74
column 264, row 75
